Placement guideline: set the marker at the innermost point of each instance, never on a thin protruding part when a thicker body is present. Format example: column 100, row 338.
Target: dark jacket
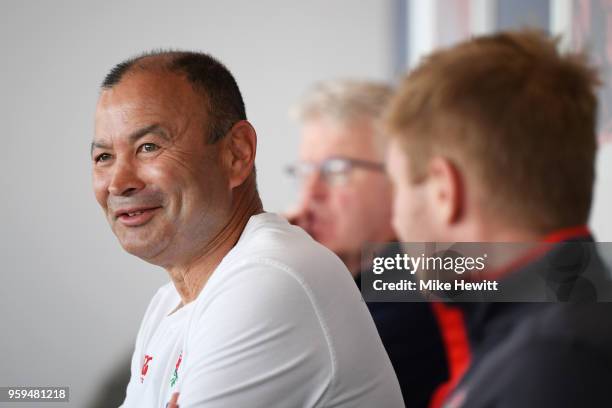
column 412, row 338
column 543, row 354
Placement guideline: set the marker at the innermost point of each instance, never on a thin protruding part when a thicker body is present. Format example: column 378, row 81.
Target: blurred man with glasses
column 345, row 202
column 340, row 170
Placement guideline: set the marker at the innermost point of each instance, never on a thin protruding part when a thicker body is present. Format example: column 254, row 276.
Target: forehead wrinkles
column 143, row 99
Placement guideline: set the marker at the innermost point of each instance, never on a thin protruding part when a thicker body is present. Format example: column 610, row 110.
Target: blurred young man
column 345, row 202
column 494, row 140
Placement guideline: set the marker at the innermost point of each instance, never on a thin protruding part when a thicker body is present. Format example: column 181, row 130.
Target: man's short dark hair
column 209, row 77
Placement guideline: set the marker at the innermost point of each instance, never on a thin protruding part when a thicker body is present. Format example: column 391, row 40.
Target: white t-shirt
column 280, row 323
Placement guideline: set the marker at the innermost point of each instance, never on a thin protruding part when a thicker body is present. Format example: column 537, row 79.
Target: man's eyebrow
column 99, row 145
column 154, row 128
column 134, row 136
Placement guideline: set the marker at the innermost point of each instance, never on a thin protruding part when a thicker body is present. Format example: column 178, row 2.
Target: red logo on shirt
column 145, row 367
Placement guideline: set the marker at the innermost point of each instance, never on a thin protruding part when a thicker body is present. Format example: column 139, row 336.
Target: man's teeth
column 131, row 214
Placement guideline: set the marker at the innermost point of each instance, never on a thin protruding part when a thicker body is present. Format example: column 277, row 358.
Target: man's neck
column 355, row 263
column 191, row 277
column 487, row 230
column 352, row 262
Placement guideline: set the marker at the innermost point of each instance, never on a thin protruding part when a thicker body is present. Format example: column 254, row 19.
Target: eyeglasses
column 334, row 171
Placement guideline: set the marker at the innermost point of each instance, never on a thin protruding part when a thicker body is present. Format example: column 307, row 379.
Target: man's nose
column 125, row 180
column 314, row 187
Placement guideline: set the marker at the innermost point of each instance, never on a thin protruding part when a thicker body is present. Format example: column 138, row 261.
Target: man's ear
column 446, row 189
column 241, row 146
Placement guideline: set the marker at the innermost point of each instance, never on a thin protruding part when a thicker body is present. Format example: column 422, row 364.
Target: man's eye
column 102, row 157
column 148, row 147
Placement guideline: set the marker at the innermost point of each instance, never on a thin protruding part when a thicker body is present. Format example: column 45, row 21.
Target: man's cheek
column 99, row 189
column 396, row 220
column 400, row 212
column 345, row 203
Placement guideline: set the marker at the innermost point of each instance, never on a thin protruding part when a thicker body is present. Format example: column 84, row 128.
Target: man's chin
column 324, row 240
column 147, row 250
column 334, row 246
column 322, row 233
column 409, row 235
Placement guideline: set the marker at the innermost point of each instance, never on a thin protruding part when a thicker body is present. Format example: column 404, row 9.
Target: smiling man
column 257, row 313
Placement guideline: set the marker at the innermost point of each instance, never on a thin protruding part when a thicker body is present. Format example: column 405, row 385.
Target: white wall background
column 601, row 216
column 70, row 299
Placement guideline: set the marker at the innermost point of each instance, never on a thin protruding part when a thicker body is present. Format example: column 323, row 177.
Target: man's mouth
column 319, row 226
column 134, row 217
column 131, row 214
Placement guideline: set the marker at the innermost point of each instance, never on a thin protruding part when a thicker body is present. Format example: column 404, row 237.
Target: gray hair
column 343, row 101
